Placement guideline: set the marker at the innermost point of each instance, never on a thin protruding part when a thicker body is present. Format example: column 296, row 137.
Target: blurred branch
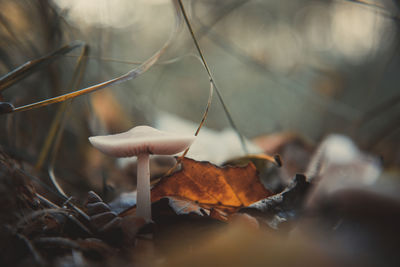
column 221, row 42
column 334, row 106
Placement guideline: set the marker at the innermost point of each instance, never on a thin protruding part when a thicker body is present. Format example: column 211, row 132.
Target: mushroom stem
column 140, row 141
column 143, row 202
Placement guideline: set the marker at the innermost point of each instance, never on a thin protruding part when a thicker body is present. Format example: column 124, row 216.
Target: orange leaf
column 227, row 188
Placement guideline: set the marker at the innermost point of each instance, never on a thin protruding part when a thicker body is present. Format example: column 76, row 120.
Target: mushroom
column 141, row 141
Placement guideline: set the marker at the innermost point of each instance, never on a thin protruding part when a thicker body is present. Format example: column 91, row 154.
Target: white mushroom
column 141, row 141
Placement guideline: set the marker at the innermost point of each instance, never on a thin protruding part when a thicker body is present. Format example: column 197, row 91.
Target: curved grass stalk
column 210, row 96
column 212, row 81
column 125, row 77
column 26, row 69
column 58, row 119
column 203, row 119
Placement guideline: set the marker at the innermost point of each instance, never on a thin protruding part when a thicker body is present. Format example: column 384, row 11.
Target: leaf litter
column 199, row 210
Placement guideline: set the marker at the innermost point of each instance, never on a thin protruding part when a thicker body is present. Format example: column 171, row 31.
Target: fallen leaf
column 227, row 188
column 267, row 167
column 295, row 152
column 282, row 207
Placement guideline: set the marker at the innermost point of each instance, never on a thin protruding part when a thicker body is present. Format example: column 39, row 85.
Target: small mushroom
column 141, row 141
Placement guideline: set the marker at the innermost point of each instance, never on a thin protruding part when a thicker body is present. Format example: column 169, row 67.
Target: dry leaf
column 227, row 188
column 294, row 150
column 283, row 207
column 269, row 171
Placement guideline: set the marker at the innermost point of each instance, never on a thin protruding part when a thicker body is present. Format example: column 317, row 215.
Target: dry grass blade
column 210, row 96
column 389, row 129
column 129, row 62
column 76, row 80
column 47, row 202
column 203, row 119
column 59, row 123
column 55, row 125
column 377, row 110
column 24, row 70
column 212, row 81
column 128, row 76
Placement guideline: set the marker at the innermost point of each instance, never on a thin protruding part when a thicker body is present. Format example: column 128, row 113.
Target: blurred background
column 290, row 73
column 305, row 67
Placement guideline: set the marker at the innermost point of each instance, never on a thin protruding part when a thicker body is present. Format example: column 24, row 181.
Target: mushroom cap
column 141, row 139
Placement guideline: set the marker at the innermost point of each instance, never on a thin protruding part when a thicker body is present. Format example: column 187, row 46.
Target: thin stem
column 24, row 70
column 143, row 201
column 228, row 115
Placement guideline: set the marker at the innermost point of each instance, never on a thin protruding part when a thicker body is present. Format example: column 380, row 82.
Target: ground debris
column 283, row 207
column 33, row 233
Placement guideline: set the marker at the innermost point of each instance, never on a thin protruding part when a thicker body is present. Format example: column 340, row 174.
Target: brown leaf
column 227, row 188
column 295, row 152
column 284, row 207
